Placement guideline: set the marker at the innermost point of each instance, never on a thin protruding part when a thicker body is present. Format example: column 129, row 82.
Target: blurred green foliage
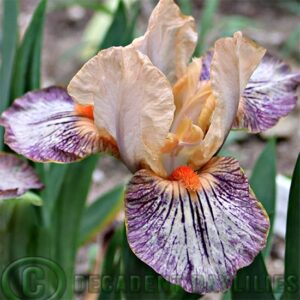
column 263, row 183
column 101, row 213
column 129, row 278
column 253, row 282
column 27, row 67
column 58, row 221
column 292, row 247
column 206, row 24
column 8, row 50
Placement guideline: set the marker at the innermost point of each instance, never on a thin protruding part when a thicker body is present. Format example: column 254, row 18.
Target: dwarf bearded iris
column 190, row 215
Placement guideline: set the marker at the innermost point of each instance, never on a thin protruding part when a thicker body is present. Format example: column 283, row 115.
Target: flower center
column 85, row 110
column 187, row 176
column 189, row 128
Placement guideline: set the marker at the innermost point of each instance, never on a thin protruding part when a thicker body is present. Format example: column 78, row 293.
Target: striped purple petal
column 16, row 177
column 269, row 95
column 44, row 126
column 196, row 239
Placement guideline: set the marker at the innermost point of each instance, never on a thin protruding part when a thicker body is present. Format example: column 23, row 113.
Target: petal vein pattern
column 44, row 126
column 196, row 239
column 269, row 95
column 16, row 177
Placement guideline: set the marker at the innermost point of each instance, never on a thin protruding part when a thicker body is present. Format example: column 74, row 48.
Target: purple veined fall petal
column 44, row 126
column 16, row 177
column 233, row 62
column 196, row 239
column 270, row 94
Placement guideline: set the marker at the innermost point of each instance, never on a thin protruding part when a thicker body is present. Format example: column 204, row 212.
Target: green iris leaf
column 263, row 183
column 127, row 277
column 9, row 45
column 100, row 213
column 67, row 216
column 206, row 24
column 28, row 58
column 292, row 248
column 253, row 282
column 28, row 197
column 121, row 31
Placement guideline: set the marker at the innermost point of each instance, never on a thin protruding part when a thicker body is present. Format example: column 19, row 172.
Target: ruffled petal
column 269, row 95
column 16, row 177
column 133, row 101
column 170, row 39
column 186, row 87
column 44, row 126
column 233, row 62
column 196, row 239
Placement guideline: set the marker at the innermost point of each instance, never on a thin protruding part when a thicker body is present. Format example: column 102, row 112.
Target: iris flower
column 190, row 215
column 16, row 177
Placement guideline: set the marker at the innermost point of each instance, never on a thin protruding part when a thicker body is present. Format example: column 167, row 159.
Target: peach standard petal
column 170, row 39
column 234, row 60
column 132, row 100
